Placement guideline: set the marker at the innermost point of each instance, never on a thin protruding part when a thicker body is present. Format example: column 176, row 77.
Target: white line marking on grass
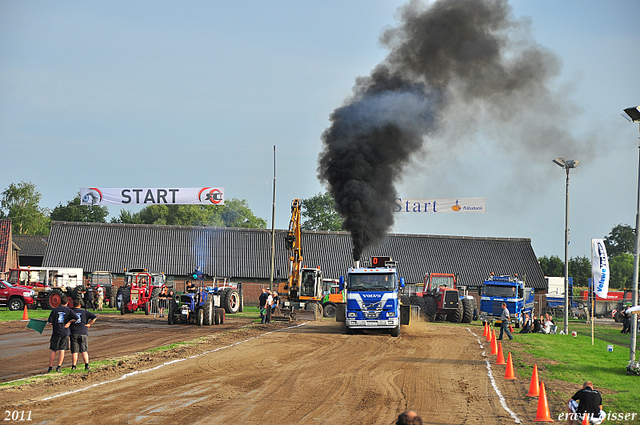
column 503, row 402
column 137, row 372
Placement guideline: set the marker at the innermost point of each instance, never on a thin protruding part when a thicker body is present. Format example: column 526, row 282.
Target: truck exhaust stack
column 357, row 264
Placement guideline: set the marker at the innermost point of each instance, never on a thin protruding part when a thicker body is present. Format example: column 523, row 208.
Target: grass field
column 575, row 360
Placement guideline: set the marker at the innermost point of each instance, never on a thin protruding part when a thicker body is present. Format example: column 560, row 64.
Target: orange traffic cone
column 500, row 359
column 494, row 344
column 534, row 387
column 510, row 328
column 488, row 332
column 585, row 419
column 509, row 372
column 484, row 332
column 543, row 415
column 25, row 316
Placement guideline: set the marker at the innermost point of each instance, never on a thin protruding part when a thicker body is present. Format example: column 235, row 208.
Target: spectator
column 80, row 335
column 549, row 326
column 275, row 303
column 586, row 401
column 162, row 301
column 537, row 325
column 268, row 306
column 626, row 322
column 262, row 302
column 409, row 417
column 526, row 324
column 504, row 325
column 100, row 291
column 88, row 299
column 60, row 318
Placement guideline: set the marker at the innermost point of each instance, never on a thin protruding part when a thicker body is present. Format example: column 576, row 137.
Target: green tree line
column 620, row 243
column 20, row 203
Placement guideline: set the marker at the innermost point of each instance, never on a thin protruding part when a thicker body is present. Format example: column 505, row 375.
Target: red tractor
column 139, row 288
column 440, row 299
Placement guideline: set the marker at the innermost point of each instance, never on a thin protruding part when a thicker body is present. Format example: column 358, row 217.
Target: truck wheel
column 113, row 295
column 395, row 332
column 54, row 299
column 146, row 308
column 329, row 310
column 430, row 309
column 208, row 312
column 230, row 300
column 200, row 317
column 16, row 304
column 467, row 305
column 315, row 307
column 456, row 315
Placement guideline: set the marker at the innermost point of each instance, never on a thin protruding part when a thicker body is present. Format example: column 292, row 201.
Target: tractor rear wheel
column 430, row 308
column 170, row 314
column 113, row 295
column 230, row 300
column 200, row 317
column 421, row 303
column 208, row 312
column 125, row 297
column 54, row 299
column 468, row 306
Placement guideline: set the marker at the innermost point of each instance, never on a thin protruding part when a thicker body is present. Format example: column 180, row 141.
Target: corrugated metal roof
column 245, row 254
column 31, row 245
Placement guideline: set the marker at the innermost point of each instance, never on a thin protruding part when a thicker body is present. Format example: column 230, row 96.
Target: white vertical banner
column 600, row 268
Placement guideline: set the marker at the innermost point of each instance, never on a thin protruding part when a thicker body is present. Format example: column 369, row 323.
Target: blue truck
column 372, row 300
column 505, row 289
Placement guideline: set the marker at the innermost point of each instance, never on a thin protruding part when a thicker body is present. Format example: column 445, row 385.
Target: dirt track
column 269, row 375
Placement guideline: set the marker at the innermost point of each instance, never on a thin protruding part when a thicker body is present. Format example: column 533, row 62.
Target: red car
column 15, row 296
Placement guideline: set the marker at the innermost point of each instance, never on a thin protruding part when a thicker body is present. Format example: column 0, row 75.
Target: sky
column 198, row 93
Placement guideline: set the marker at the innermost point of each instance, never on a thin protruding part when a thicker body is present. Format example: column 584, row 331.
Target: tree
column 127, row 217
column 73, row 211
column 21, row 204
column 621, row 267
column 320, row 213
column 580, row 270
column 621, row 239
column 552, row 266
column 234, row 213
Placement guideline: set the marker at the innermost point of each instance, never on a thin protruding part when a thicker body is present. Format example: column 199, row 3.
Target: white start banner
column 151, row 196
column 600, row 268
column 440, row 205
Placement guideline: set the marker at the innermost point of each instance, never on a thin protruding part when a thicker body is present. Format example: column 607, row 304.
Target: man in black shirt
column 262, row 301
column 60, row 318
column 80, row 335
column 586, row 401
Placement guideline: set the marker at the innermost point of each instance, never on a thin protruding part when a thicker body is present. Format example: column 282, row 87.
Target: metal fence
column 158, row 306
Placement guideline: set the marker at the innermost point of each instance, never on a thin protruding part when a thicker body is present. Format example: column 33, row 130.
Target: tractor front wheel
column 200, row 317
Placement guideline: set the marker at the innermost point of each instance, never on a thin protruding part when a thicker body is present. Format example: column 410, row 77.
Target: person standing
column 162, row 301
column 100, row 291
column 80, row 335
column 586, row 401
column 268, row 306
column 88, row 299
column 60, row 318
column 262, row 302
column 504, row 326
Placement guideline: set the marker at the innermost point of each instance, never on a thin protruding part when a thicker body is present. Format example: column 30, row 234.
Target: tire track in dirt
column 311, row 374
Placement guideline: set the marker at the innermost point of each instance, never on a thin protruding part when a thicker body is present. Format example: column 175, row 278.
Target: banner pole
column 593, row 303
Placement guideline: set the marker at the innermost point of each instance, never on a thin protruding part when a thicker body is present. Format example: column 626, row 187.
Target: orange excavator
column 302, row 292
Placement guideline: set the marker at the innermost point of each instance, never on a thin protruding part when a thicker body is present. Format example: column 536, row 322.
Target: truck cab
column 509, row 290
column 372, row 300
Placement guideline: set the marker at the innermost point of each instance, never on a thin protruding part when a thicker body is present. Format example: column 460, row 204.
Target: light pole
column 567, row 165
column 633, row 114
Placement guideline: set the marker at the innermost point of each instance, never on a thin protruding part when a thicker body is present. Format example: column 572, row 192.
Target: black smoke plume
column 441, row 53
